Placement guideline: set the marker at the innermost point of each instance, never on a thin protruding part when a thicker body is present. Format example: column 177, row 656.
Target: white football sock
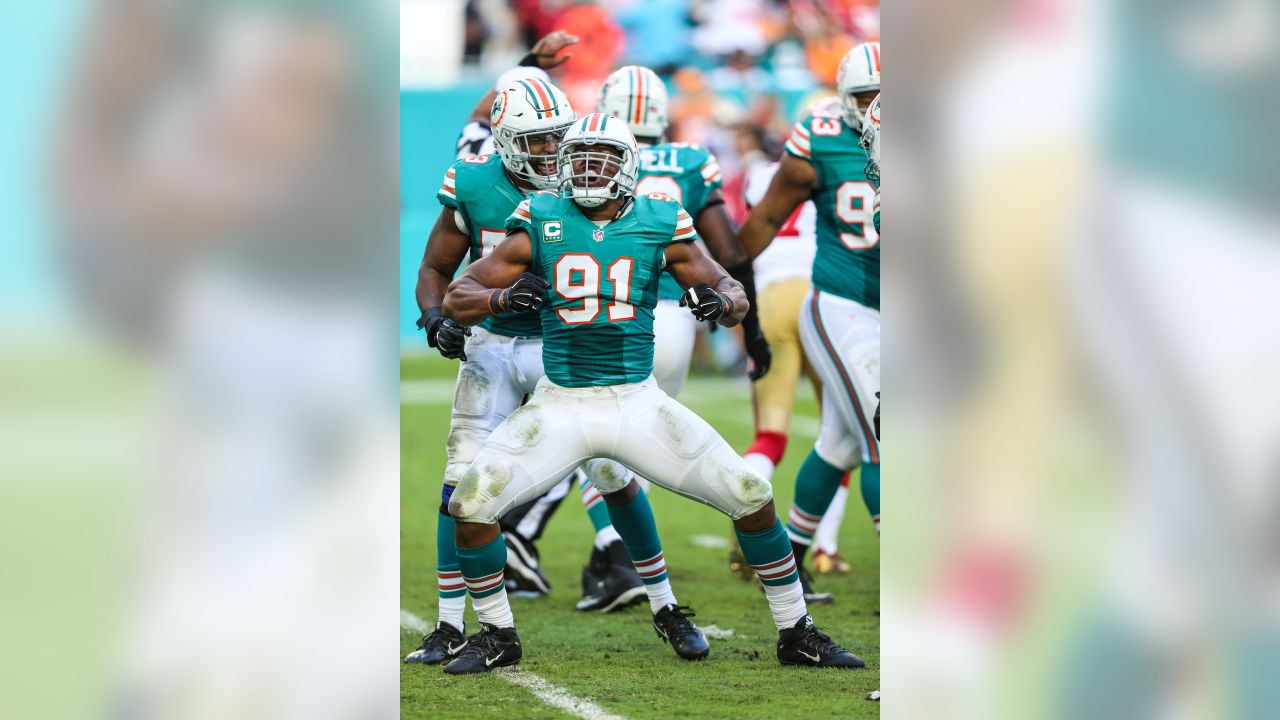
column 660, row 595
column 786, row 602
column 494, row 610
column 451, row 610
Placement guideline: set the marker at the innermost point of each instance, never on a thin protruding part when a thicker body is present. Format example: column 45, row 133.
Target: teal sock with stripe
column 451, row 589
column 482, row 571
column 634, row 522
column 768, row 552
column 816, row 485
column 871, row 490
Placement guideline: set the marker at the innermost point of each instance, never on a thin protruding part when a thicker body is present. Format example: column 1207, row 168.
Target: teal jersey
column 478, row 188
column 597, row 324
column 848, row 259
column 684, row 171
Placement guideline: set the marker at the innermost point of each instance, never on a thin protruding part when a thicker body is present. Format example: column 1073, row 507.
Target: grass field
column 616, row 661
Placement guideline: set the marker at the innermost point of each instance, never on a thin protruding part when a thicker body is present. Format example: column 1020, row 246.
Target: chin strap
column 623, row 208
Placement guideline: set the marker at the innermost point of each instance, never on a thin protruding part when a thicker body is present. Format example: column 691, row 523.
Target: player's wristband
column 530, row 60
column 428, row 315
column 495, row 301
column 728, row 301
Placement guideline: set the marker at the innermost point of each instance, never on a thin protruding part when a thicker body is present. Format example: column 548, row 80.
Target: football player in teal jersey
column 840, row 323
column 592, row 254
column 502, row 358
column 689, row 174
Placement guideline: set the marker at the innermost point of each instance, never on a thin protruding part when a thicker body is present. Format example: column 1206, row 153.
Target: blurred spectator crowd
column 739, row 72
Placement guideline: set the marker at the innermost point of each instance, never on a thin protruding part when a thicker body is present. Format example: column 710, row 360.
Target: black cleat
column 805, row 644
column 524, row 567
column 489, row 649
column 610, row 582
column 673, row 625
column 811, row 596
column 443, row 644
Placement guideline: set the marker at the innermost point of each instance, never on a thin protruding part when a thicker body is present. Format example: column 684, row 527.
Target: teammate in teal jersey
column 599, row 251
column 840, row 324
column 502, row 359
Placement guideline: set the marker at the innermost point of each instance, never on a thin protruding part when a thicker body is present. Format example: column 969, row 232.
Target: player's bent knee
column 742, row 491
column 753, row 494
column 460, row 449
column 477, row 498
column 609, row 476
column 453, row 473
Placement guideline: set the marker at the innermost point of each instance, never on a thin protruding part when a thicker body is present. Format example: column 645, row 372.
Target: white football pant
column 842, row 340
column 674, row 330
column 637, row 425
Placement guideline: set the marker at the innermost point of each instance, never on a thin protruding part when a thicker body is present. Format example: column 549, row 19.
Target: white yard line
column 409, row 621
column 555, row 695
column 544, row 690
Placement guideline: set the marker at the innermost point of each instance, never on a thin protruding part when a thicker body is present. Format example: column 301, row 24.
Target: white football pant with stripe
column 842, row 341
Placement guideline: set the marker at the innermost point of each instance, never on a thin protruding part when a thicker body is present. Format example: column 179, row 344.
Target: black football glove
column 759, row 352
column 705, row 303
column 445, row 335
column 528, row 293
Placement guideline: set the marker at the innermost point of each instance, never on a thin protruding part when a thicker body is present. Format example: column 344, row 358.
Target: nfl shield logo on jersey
column 598, row 235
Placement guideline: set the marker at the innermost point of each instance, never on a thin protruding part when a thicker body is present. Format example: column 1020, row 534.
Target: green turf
column 616, row 660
